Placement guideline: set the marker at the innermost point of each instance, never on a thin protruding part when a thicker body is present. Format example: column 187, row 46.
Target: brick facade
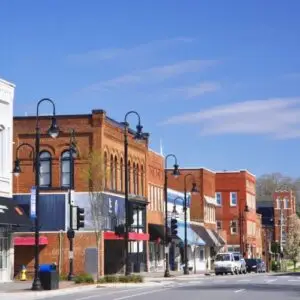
column 57, row 251
column 285, row 202
column 236, row 190
column 95, row 133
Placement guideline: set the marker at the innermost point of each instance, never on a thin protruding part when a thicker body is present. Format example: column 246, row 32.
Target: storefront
column 12, row 217
column 156, row 247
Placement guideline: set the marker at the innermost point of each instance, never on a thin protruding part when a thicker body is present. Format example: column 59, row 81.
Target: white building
column 10, row 216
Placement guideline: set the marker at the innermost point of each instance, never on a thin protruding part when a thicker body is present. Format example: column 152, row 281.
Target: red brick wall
column 227, row 182
column 57, row 251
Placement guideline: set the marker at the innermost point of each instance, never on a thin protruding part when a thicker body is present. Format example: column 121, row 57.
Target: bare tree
column 97, row 175
column 292, row 248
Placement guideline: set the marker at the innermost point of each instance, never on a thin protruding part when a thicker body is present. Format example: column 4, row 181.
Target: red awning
column 29, row 240
column 133, row 236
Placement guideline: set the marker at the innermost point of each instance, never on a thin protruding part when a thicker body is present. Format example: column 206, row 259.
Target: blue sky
column 216, row 81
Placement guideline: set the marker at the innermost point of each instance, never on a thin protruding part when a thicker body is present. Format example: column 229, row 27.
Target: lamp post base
column 36, row 285
column 167, row 274
column 70, row 277
column 186, row 271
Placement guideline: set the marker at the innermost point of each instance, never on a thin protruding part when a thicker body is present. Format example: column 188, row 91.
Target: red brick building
column 203, row 208
column 284, row 202
column 234, row 191
column 95, row 133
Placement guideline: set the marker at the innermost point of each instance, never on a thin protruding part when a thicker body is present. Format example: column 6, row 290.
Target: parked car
column 255, row 265
column 241, row 264
column 225, row 263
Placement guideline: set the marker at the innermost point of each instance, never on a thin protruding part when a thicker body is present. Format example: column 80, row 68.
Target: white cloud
column 198, row 89
column 94, row 56
column 153, row 75
column 279, row 117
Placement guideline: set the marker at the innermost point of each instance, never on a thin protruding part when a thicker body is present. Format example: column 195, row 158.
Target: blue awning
column 192, row 237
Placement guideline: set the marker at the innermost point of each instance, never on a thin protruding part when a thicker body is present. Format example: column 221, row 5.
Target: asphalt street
column 254, row 286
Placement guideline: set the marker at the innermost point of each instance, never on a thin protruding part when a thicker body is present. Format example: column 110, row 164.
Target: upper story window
column 234, row 227
column 65, row 167
column 142, row 180
column 233, row 198
column 219, row 198
column 286, row 203
column 219, row 225
column 45, row 169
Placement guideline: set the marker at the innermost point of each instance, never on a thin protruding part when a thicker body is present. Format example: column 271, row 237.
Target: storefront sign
column 33, row 203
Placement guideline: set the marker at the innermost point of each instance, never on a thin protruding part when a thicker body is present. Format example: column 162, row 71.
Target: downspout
column 60, row 251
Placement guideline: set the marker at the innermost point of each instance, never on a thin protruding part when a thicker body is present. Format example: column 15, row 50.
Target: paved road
column 221, row 287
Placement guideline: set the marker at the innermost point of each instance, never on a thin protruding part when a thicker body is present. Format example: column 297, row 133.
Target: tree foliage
column 292, row 247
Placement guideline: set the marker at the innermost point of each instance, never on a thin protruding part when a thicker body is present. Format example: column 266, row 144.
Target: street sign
column 71, row 255
column 33, row 203
column 74, row 217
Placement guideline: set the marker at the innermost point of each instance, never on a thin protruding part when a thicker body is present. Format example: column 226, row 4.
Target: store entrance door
column 4, row 265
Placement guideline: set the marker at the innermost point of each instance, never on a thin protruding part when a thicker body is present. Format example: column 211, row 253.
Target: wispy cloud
column 277, row 117
column 154, row 75
column 94, row 56
column 197, row 90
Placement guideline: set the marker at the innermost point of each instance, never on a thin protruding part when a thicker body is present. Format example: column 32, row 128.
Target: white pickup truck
column 225, row 263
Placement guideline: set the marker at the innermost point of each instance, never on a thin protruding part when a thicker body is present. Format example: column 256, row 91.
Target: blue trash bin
column 49, row 277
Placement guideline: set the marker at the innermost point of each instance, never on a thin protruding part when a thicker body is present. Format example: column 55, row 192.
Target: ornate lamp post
column 175, row 173
column 139, row 137
column 193, row 191
column 71, row 232
column 53, row 131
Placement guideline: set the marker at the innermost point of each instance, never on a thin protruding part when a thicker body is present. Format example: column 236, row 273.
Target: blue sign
column 33, row 203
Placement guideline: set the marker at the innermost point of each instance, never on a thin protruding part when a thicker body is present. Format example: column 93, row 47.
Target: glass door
column 4, row 274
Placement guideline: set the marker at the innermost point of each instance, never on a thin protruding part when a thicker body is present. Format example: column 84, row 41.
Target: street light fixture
column 53, row 131
column 175, row 173
column 17, row 168
column 71, row 233
column 139, row 136
column 194, row 191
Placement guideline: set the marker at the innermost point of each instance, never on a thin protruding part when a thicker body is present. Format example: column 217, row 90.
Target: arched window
column 134, row 178
column 142, row 180
column 137, row 174
column 105, row 170
column 129, row 178
column 112, row 173
column 116, row 173
column 45, row 169
column 66, row 169
column 121, row 175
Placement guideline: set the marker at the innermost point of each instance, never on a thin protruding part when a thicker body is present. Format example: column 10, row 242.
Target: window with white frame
column 219, row 198
column 234, row 227
column 233, row 198
column 286, row 203
column 219, row 225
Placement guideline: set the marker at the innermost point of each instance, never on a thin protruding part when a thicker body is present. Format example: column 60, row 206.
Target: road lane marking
column 293, row 280
column 110, row 293
column 141, row 294
column 238, row 291
column 244, row 280
column 270, row 280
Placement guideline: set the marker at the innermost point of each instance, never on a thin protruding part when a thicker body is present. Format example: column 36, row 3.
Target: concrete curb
column 82, row 288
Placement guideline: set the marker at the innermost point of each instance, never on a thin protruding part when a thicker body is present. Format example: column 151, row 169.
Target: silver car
column 242, row 268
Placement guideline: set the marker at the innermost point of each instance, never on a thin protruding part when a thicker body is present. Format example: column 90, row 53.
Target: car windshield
column 251, row 261
column 223, row 257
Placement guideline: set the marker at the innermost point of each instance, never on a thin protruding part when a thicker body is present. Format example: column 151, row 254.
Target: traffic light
column 119, row 229
column 80, row 218
column 174, row 227
column 130, row 214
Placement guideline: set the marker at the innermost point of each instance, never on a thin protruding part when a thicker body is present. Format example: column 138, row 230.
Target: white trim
column 236, row 171
column 195, row 168
column 217, row 204
column 158, row 154
column 7, row 82
column 231, row 204
column 211, row 200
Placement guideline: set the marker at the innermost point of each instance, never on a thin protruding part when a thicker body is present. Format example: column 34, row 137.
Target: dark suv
column 255, row 265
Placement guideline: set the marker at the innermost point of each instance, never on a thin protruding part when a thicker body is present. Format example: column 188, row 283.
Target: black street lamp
column 17, row 168
column 193, row 191
column 71, row 232
column 53, row 131
column 175, row 173
column 139, row 136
